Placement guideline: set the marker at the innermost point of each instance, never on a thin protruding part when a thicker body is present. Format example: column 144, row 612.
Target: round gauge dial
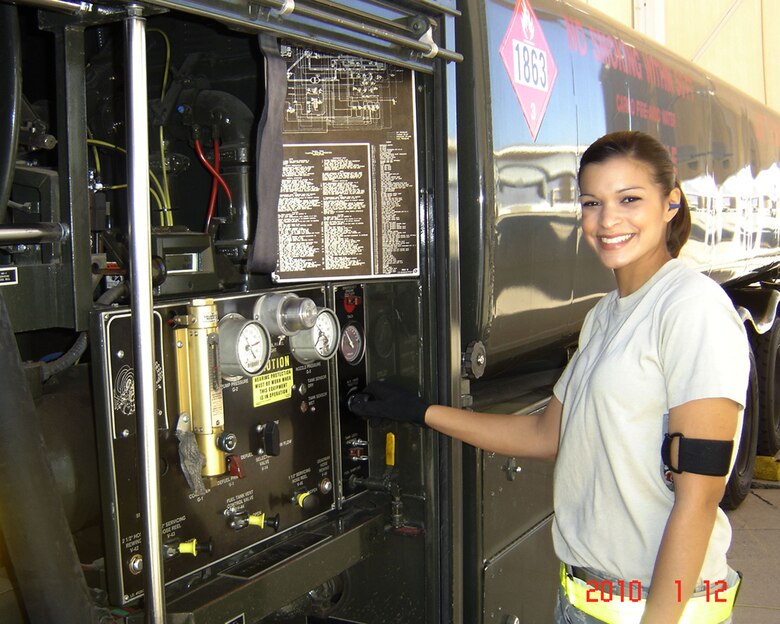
column 352, row 344
column 318, row 343
column 244, row 346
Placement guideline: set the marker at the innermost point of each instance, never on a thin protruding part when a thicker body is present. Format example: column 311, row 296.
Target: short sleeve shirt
column 676, row 339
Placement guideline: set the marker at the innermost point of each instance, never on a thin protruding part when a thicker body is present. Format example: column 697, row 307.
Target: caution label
column 272, row 387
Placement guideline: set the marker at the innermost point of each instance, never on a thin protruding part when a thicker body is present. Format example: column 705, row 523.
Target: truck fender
column 757, row 306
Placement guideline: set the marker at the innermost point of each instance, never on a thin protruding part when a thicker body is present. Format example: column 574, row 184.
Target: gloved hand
column 385, row 400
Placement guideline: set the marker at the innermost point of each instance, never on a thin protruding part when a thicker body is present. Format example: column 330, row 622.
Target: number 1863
column 530, row 65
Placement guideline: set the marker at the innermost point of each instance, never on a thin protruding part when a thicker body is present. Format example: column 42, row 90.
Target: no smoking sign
column 529, row 63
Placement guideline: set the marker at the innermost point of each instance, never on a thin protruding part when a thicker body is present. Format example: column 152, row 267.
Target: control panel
column 246, row 419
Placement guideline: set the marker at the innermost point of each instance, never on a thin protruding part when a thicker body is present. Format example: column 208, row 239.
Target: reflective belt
column 701, row 609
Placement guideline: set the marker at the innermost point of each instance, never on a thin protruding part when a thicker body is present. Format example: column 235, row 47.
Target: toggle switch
column 234, row 466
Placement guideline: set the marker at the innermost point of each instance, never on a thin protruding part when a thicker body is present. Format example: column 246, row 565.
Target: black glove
column 385, row 400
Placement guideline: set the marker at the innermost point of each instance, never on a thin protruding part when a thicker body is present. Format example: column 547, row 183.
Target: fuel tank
column 545, row 80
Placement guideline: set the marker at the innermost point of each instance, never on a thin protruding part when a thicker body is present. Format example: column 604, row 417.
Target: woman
column 662, row 362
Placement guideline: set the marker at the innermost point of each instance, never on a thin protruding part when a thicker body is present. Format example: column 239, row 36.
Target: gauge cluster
column 350, row 308
column 246, row 427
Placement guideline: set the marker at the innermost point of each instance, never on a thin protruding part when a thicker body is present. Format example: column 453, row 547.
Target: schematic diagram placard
column 348, row 201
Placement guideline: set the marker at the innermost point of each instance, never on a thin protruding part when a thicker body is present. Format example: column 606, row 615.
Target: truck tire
column 767, row 349
column 738, row 485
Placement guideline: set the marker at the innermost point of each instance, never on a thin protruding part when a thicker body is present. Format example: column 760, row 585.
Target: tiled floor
column 755, row 551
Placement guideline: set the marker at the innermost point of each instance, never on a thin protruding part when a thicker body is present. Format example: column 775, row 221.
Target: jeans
column 566, row 613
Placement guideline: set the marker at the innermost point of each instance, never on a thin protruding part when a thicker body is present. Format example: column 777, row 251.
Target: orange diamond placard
column 529, row 63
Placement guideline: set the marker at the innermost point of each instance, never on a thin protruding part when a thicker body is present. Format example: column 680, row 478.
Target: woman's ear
column 673, row 206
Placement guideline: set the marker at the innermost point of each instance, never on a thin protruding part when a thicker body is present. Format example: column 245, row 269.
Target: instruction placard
column 348, row 205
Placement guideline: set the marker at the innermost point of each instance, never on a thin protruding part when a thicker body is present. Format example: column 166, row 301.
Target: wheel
column 738, row 485
column 767, row 350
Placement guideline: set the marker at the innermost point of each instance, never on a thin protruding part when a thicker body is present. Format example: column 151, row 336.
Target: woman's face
column 625, row 216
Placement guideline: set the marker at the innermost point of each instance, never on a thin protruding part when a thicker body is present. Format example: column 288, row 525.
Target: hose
column 10, row 87
column 72, row 355
column 46, row 565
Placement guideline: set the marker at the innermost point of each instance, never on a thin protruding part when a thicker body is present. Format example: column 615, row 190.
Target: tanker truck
column 221, row 219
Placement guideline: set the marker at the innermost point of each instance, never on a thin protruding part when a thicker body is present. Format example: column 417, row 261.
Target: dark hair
column 645, row 149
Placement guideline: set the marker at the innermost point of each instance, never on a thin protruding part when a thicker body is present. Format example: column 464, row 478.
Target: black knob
column 273, row 522
column 356, row 399
column 308, row 501
column 269, row 442
column 227, row 442
column 208, row 547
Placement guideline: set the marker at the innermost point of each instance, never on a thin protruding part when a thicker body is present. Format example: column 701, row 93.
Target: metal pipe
column 228, row 15
column 141, row 306
column 368, row 29
column 33, row 233
column 59, row 5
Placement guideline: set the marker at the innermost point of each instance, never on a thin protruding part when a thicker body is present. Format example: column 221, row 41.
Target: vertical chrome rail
column 143, row 327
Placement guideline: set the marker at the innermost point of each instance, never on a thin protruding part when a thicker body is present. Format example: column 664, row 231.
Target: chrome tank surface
column 528, row 277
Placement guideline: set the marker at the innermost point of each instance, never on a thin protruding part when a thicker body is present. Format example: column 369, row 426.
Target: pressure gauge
column 352, row 344
column 285, row 314
column 244, row 346
column 318, row 343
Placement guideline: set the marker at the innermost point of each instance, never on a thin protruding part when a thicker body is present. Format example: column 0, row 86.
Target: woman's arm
column 688, row 529
column 523, row 435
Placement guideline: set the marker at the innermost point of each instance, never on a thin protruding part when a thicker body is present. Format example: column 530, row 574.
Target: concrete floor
column 755, row 551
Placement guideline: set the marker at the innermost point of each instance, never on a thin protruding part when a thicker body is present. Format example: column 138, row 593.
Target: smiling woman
column 642, row 434
column 634, row 214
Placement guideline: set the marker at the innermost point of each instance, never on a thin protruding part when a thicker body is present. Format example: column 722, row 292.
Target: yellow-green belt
column 698, row 610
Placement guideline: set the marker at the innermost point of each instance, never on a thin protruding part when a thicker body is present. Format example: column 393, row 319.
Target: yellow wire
column 167, row 58
column 156, row 197
column 108, row 145
column 95, row 153
column 166, row 217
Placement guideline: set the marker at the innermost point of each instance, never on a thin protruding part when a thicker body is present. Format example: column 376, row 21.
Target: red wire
column 214, row 172
column 214, row 187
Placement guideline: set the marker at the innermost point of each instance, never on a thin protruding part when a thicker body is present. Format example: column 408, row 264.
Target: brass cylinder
column 200, row 382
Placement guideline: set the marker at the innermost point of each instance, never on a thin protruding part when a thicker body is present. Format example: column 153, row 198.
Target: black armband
column 704, row 457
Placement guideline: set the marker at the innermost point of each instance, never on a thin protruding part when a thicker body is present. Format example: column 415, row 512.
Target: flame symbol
column 527, row 23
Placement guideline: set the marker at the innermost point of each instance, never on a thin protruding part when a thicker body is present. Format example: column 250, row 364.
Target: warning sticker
column 8, row 276
column 529, row 63
column 272, row 387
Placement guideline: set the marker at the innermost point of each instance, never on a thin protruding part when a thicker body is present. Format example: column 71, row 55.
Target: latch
column 512, row 469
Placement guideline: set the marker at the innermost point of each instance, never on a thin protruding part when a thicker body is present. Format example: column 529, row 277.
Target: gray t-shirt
column 676, row 339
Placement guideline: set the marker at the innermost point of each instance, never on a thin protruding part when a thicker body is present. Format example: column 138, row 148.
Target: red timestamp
column 712, row 590
column 631, row 591
column 605, row 591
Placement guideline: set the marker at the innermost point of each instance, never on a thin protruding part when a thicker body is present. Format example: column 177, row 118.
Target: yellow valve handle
column 299, row 498
column 390, row 449
column 257, row 520
column 189, row 548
